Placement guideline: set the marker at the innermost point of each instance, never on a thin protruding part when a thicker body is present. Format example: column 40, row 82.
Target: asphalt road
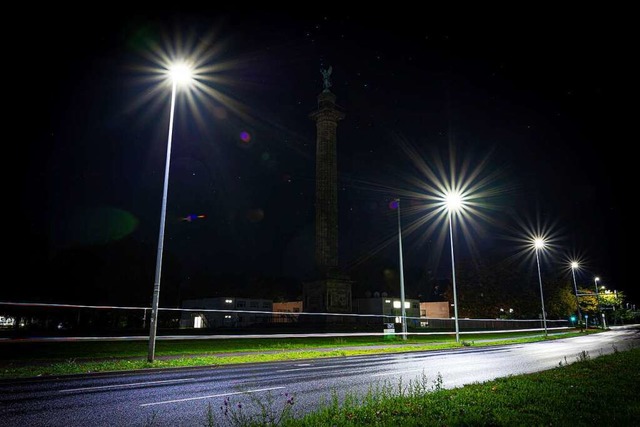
column 182, row 397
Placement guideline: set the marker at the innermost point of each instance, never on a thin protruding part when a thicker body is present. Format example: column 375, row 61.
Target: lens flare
column 245, row 136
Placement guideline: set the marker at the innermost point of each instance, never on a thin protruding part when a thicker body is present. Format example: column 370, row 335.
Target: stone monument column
column 331, row 292
column 326, row 118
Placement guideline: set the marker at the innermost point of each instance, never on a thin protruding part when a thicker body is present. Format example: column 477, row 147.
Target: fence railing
column 43, row 319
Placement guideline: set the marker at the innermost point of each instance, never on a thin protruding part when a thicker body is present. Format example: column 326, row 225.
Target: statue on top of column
column 326, row 74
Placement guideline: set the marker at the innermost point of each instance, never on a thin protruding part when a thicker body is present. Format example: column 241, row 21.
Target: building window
column 387, row 301
column 197, row 322
column 396, row 304
column 228, row 301
column 265, row 304
column 241, row 304
column 253, row 304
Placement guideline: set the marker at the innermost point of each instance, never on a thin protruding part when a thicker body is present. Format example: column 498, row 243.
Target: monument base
column 329, row 295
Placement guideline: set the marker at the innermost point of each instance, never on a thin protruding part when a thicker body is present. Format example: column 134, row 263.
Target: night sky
column 539, row 97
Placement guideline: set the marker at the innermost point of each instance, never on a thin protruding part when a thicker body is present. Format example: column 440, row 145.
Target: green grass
column 580, row 392
column 28, row 359
column 599, row 391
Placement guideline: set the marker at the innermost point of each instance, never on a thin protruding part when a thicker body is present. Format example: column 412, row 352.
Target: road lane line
column 305, row 368
column 210, row 396
column 396, row 372
column 102, row 387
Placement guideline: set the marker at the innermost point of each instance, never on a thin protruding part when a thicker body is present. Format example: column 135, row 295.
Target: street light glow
column 453, row 201
column 539, row 238
column 454, row 193
column 539, row 243
column 193, row 62
column 596, row 279
column 574, row 267
column 180, row 73
column 530, row 235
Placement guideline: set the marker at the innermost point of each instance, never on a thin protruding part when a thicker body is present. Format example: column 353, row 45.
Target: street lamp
column 453, row 202
column 538, row 244
column 574, row 266
column 179, row 74
column 595, row 281
column 403, row 312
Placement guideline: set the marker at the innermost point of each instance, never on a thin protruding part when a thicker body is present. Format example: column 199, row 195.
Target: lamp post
column 179, row 73
column 574, row 266
column 403, row 311
column 595, row 281
column 453, row 203
column 538, row 244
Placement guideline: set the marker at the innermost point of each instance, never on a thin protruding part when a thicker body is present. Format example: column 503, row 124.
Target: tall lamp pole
column 179, row 73
column 538, row 244
column 403, row 312
column 574, row 266
column 595, row 281
column 453, row 203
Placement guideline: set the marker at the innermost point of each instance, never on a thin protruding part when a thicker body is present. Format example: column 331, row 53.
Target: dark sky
column 538, row 95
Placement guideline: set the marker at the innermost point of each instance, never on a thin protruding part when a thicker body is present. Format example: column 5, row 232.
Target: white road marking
column 305, row 368
column 396, row 372
column 210, row 396
column 69, row 390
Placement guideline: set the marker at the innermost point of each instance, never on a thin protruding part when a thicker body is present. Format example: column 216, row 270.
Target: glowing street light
column 595, row 281
column 403, row 312
column 180, row 74
column 538, row 244
column 453, row 202
column 574, row 266
column 452, row 190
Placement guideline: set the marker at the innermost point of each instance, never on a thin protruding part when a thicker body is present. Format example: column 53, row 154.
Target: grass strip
column 600, row 391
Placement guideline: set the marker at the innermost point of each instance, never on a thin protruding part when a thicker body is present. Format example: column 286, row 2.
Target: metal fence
column 19, row 320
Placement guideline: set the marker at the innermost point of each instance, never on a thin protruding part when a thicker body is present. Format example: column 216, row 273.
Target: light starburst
column 438, row 186
column 576, row 262
column 464, row 189
column 197, row 60
column 530, row 237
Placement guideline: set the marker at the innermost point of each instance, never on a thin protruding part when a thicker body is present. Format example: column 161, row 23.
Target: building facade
column 287, row 312
column 229, row 312
column 388, row 310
